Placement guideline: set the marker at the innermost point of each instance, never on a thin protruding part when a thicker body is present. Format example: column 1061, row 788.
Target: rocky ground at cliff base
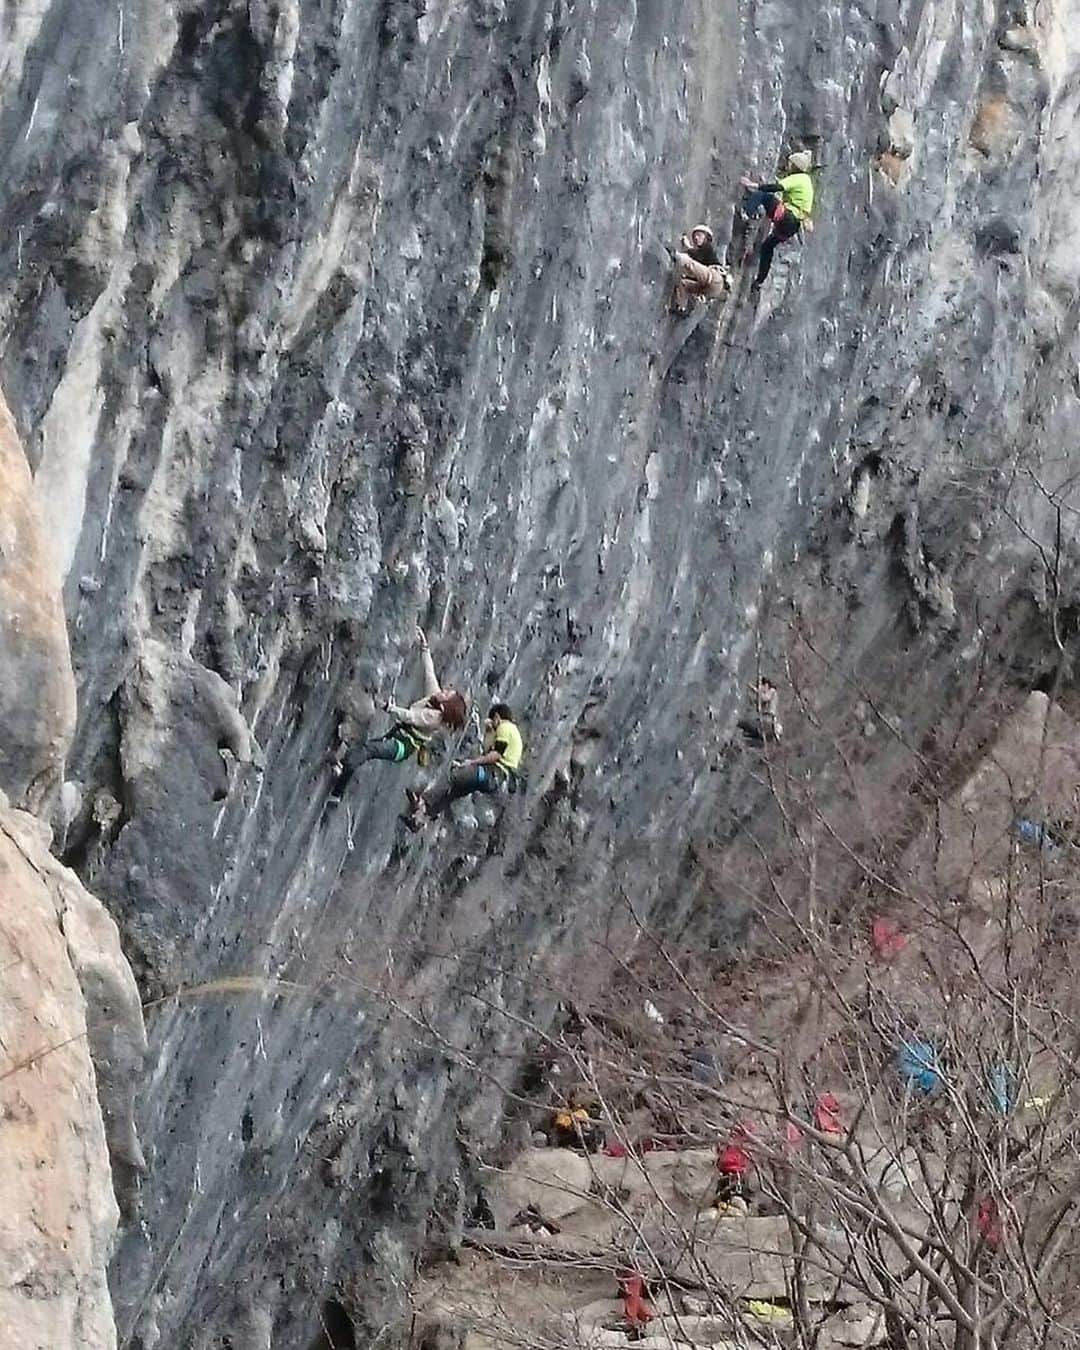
column 564, row 1227
column 517, row 1286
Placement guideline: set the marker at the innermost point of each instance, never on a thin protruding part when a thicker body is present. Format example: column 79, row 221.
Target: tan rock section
column 64, row 986
column 553, row 1182
column 37, row 687
column 1029, row 774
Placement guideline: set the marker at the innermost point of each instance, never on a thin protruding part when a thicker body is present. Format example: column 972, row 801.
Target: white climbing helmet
column 801, row 161
column 702, row 229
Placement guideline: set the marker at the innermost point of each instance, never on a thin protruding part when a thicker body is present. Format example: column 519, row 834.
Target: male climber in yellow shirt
column 498, row 767
column 789, row 204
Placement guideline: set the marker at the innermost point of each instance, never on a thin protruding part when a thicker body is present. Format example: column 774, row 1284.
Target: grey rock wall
column 320, row 317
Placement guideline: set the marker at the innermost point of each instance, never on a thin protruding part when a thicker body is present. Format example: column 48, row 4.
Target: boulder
column 694, row 1330
column 680, row 1336
column 683, row 1179
column 598, row 1312
column 693, row 1177
column 64, row 987
column 696, row 1306
column 856, row 1326
column 37, row 687
column 116, row 1034
column 555, row 1181
column 595, row 1337
column 747, row 1258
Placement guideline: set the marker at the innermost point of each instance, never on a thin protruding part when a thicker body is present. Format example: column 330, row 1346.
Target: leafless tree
column 895, row 1061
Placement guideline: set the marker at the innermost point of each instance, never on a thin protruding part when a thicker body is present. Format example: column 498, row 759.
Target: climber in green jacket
column 789, row 204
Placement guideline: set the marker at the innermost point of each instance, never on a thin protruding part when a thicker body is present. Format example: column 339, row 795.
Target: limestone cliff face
column 72, row 1041
column 73, row 1045
column 320, row 318
column 37, row 689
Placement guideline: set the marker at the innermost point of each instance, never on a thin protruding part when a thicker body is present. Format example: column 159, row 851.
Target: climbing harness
column 414, row 742
column 510, row 781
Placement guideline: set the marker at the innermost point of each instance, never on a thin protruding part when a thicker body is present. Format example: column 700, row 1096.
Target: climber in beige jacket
column 699, row 271
column 437, row 710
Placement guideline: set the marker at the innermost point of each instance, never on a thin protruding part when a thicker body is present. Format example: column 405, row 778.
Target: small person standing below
column 496, row 768
column 437, row 710
column 789, row 204
column 766, row 725
column 699, row 272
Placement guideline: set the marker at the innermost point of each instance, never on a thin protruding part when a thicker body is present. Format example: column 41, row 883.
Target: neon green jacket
column 508, row 736
column 798, row 190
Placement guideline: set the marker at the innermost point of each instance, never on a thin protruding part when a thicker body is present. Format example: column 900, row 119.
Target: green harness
column 412, row 742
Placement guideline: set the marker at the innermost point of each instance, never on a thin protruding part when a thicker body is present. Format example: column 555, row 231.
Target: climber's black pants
column 756, row 201
column 462, row 782
column 758, row 729
column 787, row 227
column 393, row 749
